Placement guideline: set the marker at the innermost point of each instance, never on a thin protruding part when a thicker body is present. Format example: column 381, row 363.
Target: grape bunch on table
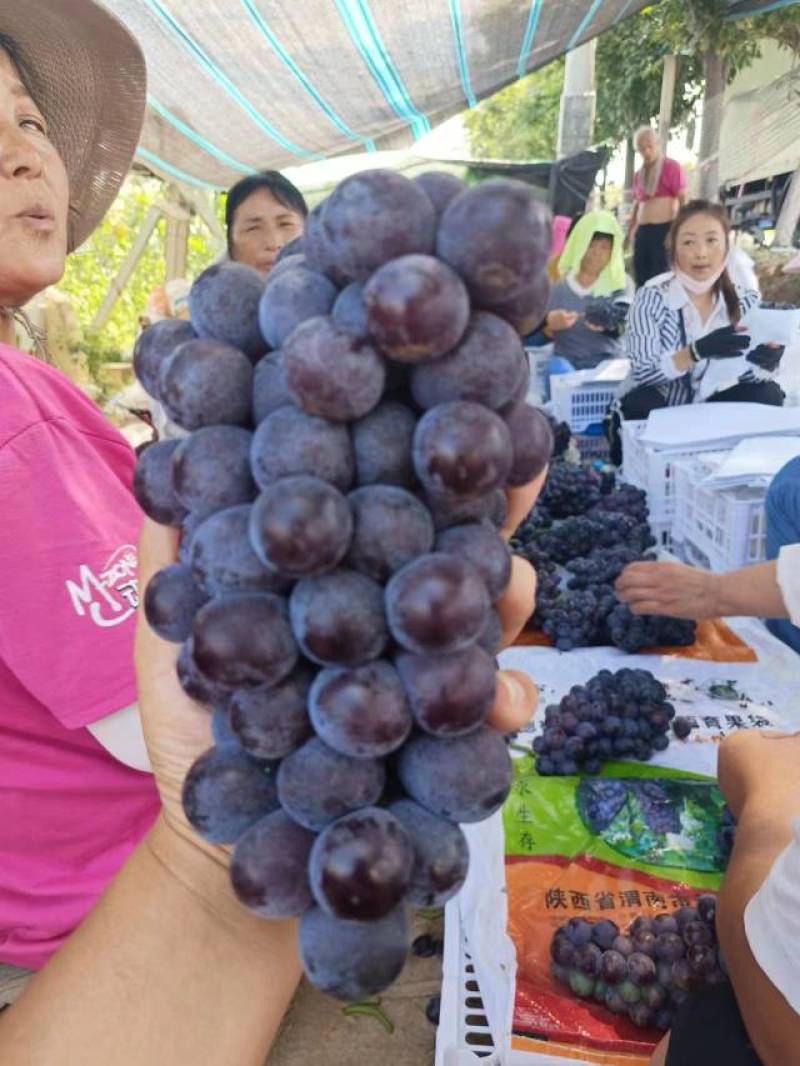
column 582, row 533
column 352, row 429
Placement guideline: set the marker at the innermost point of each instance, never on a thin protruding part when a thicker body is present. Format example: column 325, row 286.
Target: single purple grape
column 613, row 968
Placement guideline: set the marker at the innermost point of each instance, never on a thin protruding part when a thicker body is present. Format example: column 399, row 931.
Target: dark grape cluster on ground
column 353, row 424
column 621, row 715
column 645, row 971
column 582, row 533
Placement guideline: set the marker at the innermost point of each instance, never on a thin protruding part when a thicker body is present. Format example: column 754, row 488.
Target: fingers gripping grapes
column 336, row 581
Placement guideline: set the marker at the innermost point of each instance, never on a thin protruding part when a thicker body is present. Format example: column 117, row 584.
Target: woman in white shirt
column 682, row 337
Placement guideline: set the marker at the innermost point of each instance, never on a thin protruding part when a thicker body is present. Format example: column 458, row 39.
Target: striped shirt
column 654, row 334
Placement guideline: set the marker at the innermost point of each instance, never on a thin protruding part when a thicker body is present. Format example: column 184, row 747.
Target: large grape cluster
column 613, row 716
column 645, row 971
column 351, row 427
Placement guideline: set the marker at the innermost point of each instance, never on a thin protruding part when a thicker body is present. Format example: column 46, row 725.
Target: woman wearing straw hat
column 167, row 968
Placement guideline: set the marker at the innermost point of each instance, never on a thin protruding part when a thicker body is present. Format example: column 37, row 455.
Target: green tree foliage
column 91, row 269
column 521, row 121
column 628, row 70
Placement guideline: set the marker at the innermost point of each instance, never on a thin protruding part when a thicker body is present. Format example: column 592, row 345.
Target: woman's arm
column 758, row 776
column 681, row 591
column 652, row 360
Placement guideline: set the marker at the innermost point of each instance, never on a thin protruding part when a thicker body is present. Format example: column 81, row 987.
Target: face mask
column 697, row 288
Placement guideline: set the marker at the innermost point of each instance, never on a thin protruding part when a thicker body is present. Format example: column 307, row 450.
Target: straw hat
column 88, row 77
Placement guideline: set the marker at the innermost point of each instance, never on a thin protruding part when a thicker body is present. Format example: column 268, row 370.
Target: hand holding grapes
column 671, row 589
column 178, row 730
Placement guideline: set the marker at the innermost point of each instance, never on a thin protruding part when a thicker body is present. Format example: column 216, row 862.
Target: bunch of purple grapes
column 594, row 529
column 613, row 716
column 352, row 428
column 646, row 972
column 608, row 312
column 571, row 489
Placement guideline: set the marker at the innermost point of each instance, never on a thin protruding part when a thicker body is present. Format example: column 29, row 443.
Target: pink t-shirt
column 69, row 812
column 672, row 182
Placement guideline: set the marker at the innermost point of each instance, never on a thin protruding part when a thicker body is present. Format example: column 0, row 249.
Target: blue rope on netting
column 759, row 10
column 623, row 11
column 259, row 22
column 197, row 138
column 527, row 40
column 584, row 25
column 461, row 52
column 223, row 80
column 175, row 172
column 358, row 20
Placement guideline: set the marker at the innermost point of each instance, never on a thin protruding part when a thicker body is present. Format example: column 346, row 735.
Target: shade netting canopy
column 242, row 85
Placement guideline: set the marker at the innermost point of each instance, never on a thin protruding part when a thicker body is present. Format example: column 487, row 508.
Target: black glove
column 723, row 343
column 766, row 356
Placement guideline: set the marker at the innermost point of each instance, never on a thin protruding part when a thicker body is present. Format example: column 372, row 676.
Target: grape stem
column 370, row 1009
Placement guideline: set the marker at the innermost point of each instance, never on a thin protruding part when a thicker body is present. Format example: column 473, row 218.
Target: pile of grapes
column 613, row 716
column 580, row 536
column 352, row 427
column 646, row 972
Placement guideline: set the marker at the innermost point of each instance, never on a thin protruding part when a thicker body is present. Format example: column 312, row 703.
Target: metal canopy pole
column 125, row 272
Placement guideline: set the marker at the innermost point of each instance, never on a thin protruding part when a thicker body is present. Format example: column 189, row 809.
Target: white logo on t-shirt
column 110, row 596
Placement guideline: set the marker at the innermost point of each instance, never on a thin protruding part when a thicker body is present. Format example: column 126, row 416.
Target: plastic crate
column 720, row 529
column 593, row 445
column 580, row 401
column 463, row 1035
column 653, row 470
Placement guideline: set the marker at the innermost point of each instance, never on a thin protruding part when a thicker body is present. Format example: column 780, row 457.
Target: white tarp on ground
column 238, row 85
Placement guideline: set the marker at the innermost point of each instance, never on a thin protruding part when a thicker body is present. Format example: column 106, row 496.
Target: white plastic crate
column 593, row 446
column 463, row 1037
column 580, row 400
column 653, row 470
column 718, row 528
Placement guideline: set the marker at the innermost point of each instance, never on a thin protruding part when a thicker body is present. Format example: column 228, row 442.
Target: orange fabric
column 715, row 643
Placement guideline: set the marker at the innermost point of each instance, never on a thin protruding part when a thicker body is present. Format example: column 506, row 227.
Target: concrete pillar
column 667, row 98
column 578, row 98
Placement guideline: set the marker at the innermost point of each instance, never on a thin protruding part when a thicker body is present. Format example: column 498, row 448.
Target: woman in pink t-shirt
column 76, row 794
column 166, row 966
column 659, row 190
